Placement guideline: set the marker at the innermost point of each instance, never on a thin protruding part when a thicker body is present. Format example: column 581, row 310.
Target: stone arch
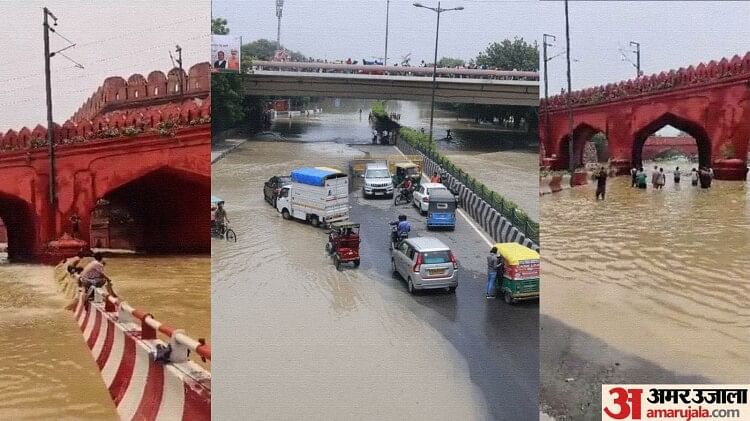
column 694, row 129
column 582, row 134
column 21, row 226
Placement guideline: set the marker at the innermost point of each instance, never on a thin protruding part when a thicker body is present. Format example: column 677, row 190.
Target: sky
column 672, row 34
column 114, row 38
column 341, row 29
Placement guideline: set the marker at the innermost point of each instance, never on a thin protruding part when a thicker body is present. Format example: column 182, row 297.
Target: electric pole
column 178, row 49
column 279, row 9
column 546, row 81
column 387, row 10
column 571, row 165
column 637, row 57
column 50, row 124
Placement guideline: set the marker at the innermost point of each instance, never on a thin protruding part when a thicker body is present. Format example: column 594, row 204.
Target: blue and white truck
column 318, row 195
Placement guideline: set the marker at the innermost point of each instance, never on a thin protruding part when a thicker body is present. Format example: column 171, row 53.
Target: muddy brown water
column 660, row 275
column 47, row 371
column 300, row 339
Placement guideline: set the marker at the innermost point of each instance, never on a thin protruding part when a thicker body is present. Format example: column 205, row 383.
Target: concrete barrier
column 123, row 342
column 495, row 224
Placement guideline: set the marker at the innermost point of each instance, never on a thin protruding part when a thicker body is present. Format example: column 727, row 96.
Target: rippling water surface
column 664, row 275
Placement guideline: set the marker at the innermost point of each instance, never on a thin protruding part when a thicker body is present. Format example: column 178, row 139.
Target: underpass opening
column 670, row 137
column 162, row 212
column 18, row 230
column 589, row 146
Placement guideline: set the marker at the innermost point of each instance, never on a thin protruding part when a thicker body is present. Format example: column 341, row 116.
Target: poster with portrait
column 225, row 53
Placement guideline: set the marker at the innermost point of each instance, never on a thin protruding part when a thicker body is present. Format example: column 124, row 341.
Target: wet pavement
column 654, row 282
column 302, row 339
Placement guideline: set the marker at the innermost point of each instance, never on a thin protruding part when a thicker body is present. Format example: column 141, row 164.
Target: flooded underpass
column 301, row 339
column 47, row 370
column 655, row 283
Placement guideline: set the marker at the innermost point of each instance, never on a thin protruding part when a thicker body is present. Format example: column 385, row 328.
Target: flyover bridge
column 454, row 85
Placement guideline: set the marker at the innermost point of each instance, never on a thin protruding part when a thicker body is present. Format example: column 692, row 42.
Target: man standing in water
column 601, row 183
column 655, row 177
column 633, row 173
column 694, row 177
column 677, row 175
column 661, row 179
column 641, row 178
column 492, row 264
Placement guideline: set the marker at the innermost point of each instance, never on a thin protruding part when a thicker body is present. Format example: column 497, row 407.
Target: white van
column 318, row 195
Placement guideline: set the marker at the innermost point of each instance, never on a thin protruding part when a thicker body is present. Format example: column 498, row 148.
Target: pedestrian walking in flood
column 661, row 179
column 694, row 177
column 655, row 176
column 640, row 178
column 492, row 266
column 705, row 177
column 633, row 173
column 677, row 175
column 601, row 183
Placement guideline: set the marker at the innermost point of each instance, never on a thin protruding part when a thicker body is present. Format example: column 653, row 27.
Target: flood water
column 504, row 160
column 662, row 275
column 47, row 371
column 300, row 339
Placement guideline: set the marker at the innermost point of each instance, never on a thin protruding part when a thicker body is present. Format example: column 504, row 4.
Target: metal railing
column 149, row 325
column 450, row 72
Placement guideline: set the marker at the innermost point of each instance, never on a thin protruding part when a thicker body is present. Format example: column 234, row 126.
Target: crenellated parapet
column 117, row 92
column 683, row 78
column 121, row 108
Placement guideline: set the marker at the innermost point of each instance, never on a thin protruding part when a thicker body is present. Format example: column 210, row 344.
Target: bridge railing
column 451, row 72
column 150, row 326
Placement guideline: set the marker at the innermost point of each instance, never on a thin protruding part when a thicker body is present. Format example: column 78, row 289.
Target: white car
column 422, row 195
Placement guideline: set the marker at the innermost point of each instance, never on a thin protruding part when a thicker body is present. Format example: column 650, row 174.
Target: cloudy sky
column 672, row 34
column 114, row 38
column 339, row 29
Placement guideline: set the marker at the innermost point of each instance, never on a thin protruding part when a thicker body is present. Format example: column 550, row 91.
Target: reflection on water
column 299, row 337
column 660, row 274
column 46, row 370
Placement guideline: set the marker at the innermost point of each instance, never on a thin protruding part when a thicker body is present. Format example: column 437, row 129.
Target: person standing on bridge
column 492, row 270
column 601, row 183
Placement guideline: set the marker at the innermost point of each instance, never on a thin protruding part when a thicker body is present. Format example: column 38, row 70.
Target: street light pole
column 387, row 12
column 571, row 165
column 279, row 9
column 50, row 124
column 437, row 10
column 637, row 57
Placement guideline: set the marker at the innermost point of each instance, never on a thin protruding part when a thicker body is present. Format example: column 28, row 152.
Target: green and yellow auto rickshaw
column 520, row 277
column 402, row 170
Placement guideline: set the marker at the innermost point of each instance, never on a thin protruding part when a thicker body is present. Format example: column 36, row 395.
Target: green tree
column 226, row 102
column 511, row 55
column 264, row 49
column 219, row 26
column 450, row 62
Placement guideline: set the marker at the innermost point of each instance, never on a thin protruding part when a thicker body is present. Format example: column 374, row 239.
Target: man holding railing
column 93, row 276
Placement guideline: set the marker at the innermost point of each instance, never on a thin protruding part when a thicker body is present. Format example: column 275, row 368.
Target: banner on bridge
column 225, row 53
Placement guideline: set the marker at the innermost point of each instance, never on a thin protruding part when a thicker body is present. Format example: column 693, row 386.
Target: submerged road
column 305, row 340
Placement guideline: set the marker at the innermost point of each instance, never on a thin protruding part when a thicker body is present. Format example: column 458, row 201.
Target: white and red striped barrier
column 123, row 341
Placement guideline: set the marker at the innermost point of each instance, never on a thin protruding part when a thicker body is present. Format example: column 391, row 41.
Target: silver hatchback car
column 425, row 263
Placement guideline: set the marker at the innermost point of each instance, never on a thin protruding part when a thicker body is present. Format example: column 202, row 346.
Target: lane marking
column 460, row 212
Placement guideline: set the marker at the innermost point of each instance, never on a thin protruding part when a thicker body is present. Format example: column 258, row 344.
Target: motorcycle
column 397, row 237
column 404, row 196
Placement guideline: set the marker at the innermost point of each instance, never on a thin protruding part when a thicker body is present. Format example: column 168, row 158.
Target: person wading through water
column 601, row 183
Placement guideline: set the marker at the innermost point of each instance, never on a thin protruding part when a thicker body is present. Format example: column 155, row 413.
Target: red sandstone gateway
column 710, row 102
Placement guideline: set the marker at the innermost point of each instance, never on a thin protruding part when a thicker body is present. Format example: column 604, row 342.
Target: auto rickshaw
column 520, row 277
column 441, row 210
column 406, row 169
column 343, row 243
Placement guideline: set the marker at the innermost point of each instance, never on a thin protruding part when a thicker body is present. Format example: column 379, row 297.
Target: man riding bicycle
column 220, row 218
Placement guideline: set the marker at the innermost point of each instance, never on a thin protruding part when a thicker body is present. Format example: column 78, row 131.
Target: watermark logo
column 675, row 402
